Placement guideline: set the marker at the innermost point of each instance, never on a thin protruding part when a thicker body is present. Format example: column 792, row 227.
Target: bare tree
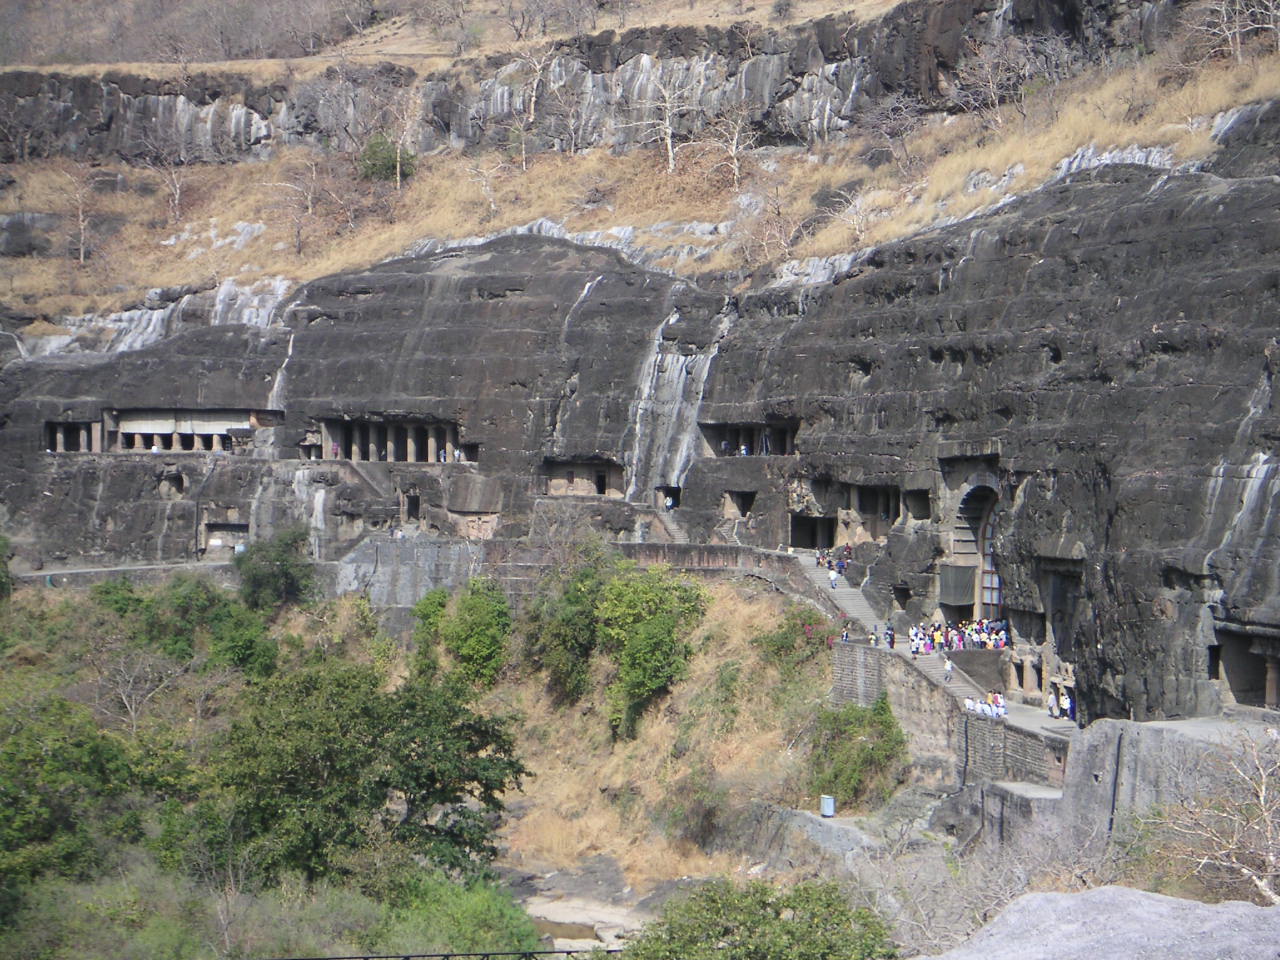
column 301, row 192
column 732, row 134
column 568, row 115
column 77, row 192
column 164, row 156
column 517, row 16
column 486, row 177
column 663, row 111
column 1008, row 69
column 1225, row 827
column 15, row 132
column 129, row 678
column 893, row 118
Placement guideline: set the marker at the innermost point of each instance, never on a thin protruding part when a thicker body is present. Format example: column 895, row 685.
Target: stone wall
column 949, row 745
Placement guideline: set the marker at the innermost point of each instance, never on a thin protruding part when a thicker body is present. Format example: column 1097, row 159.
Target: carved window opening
column 917, row 504
column 668, row 497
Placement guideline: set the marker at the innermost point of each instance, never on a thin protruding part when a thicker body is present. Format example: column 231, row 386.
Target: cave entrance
column 737, row 504
column 812, row 533
column 973, row 545
column 1244, row 671
column 412, row 507
column 668, row 497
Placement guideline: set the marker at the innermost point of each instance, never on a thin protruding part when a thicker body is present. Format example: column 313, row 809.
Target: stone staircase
column 675, row 532
column 933, row 666
column 848, row 598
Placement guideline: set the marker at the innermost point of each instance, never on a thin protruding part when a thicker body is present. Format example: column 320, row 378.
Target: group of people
column 836, row 562
column 992, row 705
column 980, row 634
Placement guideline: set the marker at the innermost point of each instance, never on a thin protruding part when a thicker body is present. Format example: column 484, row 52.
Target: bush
column 721, row 921
column 6, row 578
column 429, row 612
column 477, row 632
column 378, row 160
column 642, row 617
column 565, row 632
column 799, row 638
column 275, row 571
column 858, row 753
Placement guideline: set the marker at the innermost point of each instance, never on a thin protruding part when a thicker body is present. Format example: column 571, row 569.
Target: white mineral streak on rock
column 228, row 303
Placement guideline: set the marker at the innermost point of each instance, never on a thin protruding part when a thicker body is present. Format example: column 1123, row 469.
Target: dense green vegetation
column 275, row 571
column 858, row 753
column 477, row 630
column 639, row 618
column 722, row 921
column 176, row 782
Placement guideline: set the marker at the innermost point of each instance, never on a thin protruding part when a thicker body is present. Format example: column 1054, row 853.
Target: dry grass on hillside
column 724, row 732
column 800, row 196
column 1133, row 106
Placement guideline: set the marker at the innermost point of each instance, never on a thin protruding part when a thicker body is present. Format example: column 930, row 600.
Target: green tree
column 275, row 571
column 477, row 631
column 315, row 756
column 59, row 778
column 858, row 752
column 722, row 921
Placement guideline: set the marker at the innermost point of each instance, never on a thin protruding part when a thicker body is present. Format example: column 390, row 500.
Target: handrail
column 485, row 954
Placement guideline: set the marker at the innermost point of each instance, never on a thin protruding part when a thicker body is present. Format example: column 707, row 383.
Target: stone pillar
column 1029, row 684
column 59, row 439
column 411, row 441
column 175, row 442
column 326, row 441
column 448, row 443
column 91, row 437
column 433, row 446
column 1272, row 700
column 357, row 440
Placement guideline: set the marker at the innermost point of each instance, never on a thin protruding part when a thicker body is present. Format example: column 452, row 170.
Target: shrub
column 275, row 571
column 642, row 617
column 378, row 160
column 858, row 752
column 6, row 578
column 799, row 638
column 429, row 612
column 477, row 632
column 565, row 624
column 722, row 921
column 238, row 637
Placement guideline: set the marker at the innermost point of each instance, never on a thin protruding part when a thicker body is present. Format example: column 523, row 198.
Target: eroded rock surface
column 1078, row 386
column 1119, row 922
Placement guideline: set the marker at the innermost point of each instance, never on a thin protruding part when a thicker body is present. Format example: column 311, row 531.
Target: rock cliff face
column 1063, row 408
column 804, row 83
